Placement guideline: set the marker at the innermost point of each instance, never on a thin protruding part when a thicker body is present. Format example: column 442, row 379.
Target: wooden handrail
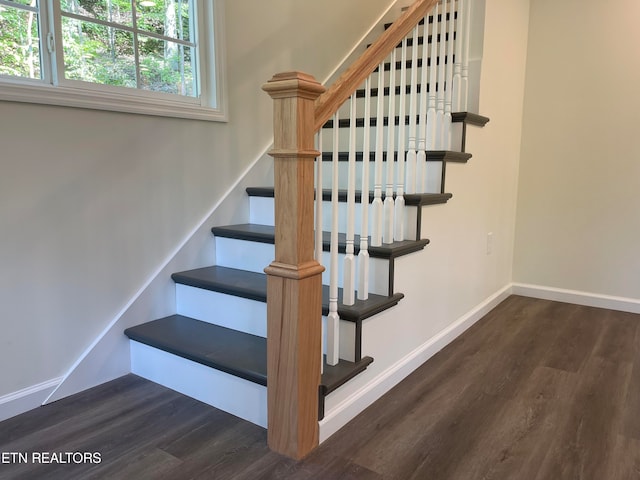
column 328, row 103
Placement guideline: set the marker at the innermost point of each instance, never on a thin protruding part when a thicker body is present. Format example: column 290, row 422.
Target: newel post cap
column 294, row 84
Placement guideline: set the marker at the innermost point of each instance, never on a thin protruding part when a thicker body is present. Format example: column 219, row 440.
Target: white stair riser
column 232, row 394
column 343, row 139
column 242, row 314
column 265, row 207
column 344, row 110
column 433, row 176
column 243, row 254
column 410, row 218
column 347, row 339
column 261, row 211
column 233, row 253
column 456, row 136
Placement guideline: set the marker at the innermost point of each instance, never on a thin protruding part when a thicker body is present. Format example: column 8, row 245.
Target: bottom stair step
column 227, row 350
column 235, row 353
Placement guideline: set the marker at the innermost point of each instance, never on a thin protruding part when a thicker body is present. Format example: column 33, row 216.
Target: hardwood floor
column 537, row 390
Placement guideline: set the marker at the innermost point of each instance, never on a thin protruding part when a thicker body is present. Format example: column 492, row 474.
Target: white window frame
column 52, row 90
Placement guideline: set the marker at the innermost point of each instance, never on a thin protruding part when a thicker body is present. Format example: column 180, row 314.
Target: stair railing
column 302, row 108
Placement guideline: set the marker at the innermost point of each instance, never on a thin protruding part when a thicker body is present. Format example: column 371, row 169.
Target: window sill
column 115, row 102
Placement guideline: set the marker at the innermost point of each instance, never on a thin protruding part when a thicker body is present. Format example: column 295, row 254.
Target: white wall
column 578, row 223
column 92, row 203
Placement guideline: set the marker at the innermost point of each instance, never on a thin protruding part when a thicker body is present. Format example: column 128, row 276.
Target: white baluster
column 333, row 319
column 433, row 80
column 413, row 104
column 387, row 232
column 398, row 215
column 427, row 100
column 349, row 273
column 441, row 79
column 363, row 255
column 318, row 227
column 464, row 84
column 448, row 98
column 318, row 231
column 376, row 206
column 457, row 66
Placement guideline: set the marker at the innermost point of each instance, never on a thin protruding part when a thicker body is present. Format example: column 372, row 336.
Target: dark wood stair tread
column 266, row 234
column 410, row 199
column 467, row 118
column 237, row 353
column 432, row 156
column 253, row 286
column 333, row 377
column 230, row 351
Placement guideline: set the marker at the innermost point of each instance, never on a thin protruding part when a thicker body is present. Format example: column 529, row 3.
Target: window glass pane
column 19, row 43
column 116, row 11
column 98, row 54
column 166, row 67
column 31, row 3
column 170, row 18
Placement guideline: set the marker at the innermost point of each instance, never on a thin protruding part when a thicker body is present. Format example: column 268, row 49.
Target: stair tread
column 227, row 350
column 469, row 118
column 252, row 285
column 456, row 117
column 432, row 156
column 230, row 351
column 266, row 234
column 335, row 376
column 410, row 199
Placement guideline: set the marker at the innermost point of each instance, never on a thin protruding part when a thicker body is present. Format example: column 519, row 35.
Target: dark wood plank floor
column 537, row 390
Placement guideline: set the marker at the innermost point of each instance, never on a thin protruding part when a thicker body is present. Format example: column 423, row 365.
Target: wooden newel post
column 294, row 279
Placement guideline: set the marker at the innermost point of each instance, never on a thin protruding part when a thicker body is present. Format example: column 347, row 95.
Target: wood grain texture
column 294, row 279
column 329, row 102
column 491, row 405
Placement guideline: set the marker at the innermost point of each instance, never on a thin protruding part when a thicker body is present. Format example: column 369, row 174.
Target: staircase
column 214, row 348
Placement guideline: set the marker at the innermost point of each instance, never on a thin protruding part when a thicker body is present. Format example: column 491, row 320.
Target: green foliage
column 106, row 55
column 19, row 43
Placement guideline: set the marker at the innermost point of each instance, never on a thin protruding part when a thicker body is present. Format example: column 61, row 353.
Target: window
column 159, row 57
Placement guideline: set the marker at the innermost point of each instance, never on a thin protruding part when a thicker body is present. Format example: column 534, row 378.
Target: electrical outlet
column 489, row 243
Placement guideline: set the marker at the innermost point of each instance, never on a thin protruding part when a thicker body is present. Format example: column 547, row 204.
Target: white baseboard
column 588, row 299
column 342, row 413
column 26, row 399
